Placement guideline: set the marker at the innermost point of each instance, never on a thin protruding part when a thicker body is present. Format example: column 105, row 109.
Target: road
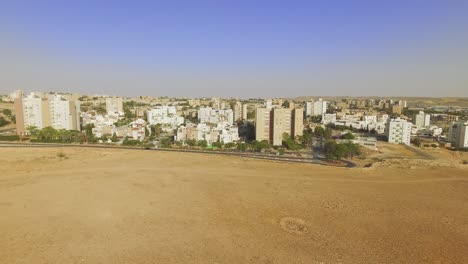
column 319, row 161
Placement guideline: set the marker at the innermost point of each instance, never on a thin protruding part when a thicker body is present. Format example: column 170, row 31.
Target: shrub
column 130, row 142
column 9, row 138
column 289, row 143
column 3, row 121
column 61, row 155
column 348, row 136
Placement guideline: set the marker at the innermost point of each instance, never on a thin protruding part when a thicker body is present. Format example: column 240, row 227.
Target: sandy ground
column 123, row 206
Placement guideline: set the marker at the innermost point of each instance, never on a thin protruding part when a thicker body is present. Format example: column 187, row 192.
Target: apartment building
column 398, row 131
column 262, row 124
column 320, row 107
column 165, row 115
column 309, row 107
column 272, row 124
column 245, row 110
column 280, row 123
column 114, row 105
column 397, row 109
column 237, row 111
column 422, row 120
column 46, row 110
column 220, row 133
column 215, row 116
column 458, row 134
column 297, row 116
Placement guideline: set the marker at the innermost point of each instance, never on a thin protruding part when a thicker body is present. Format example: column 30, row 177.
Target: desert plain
column 137, row 206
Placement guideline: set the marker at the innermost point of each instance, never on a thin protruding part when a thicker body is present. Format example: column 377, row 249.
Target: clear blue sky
column 235, row 48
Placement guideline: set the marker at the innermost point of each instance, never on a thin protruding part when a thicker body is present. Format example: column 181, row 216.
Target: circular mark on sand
column 293, row 225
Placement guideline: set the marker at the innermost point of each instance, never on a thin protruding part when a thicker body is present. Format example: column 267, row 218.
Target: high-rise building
column 262, row 124
column 272, row 124
column 397, row 109
column 298, row 122
column 268, row 104
column 309, row 108
column 320, row 107
column 280, row 123
column 244, row 111
column 398, row 131
column 237, row 110
column 50, row 110
column 422, row 119
column 114, row 105
column 458, row 134
column 19, row 111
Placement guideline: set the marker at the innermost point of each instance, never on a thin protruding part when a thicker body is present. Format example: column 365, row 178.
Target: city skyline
column 242, row 49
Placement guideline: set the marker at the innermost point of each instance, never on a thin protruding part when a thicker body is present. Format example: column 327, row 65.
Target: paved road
column 319, row 161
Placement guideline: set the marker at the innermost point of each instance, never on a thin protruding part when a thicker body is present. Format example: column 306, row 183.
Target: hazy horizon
column 240, row 49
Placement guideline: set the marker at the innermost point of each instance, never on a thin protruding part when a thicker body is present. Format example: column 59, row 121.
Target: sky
column 242, row 49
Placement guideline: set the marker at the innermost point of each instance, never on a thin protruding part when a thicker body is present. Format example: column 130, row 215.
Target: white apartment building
column 32, row 112
column 237, row 111
column 320, row 107
column 309, row 108
column 422, row 120
column 328, row 119
column 46, row 110
column 114, row 105
column 458, row 134
column 60, row 113
column 245, row 110
column 220, row 133
column 269, row 104
column 166, row 115
column 398, row 131
column 215, row 116
column 369, row 119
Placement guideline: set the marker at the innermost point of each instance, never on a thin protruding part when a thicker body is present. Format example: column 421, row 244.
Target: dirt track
column 117, row 206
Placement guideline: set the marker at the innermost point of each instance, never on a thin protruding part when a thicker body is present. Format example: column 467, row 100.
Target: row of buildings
column 43, row 110
column 217, row 122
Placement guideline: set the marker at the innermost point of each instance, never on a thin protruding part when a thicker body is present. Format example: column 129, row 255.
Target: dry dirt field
column 124, row 206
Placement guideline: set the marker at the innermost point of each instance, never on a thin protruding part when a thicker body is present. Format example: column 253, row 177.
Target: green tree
column 130, row 142
column 191, row 142
column 417, row 142
column 166, row 142
column 260, row 145
column 242, row 146
column 7, row 112
column 328, row 133
column 330, row 149
column 89, row 133
column 3, row 121
column 289, row 143
column 230, row 145
column 202, row 143
column 251, row 115
column 319, row 131
column 348, row 136
column 217, row 144
column 286, row 104
column 114, row 138
column 316, row 119
column 48, row 134
column 156, row 130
